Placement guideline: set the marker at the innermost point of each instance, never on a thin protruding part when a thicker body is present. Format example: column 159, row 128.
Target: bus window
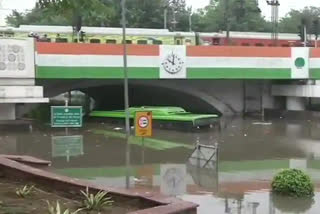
column 61, row 40
column 259, row 44
column 45, row 40
column 128, row 42
column 142, row 42
column 245, row 44
column 188, row 42
column 111, row 41
column 94, row 40
column 178, row 40
column 7, row 34
column 76, row 40
column 215, row 41
column 157, row 42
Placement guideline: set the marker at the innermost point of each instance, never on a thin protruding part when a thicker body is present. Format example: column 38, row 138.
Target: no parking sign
column 143, row 123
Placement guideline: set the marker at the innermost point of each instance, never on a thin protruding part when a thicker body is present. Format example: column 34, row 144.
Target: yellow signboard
column 143, row 123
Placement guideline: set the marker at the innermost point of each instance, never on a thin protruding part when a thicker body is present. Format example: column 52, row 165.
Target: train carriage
column 145, row 36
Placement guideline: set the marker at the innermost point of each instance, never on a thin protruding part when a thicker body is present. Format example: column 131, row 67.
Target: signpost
column 143, row 124
column 66, row 116
column 67, row 146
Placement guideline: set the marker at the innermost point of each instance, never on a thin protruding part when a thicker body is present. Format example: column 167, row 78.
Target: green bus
column 164, row 116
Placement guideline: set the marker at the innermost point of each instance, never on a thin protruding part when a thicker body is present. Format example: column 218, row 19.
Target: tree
column 289, row 24
column 92, row 12
column 140, row 14
column 316, row 28
column 36, row 16
column 302, row 29
column 178, row 14
column 241, row 15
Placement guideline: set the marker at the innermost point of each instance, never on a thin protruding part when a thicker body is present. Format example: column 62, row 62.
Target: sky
column 285, row 7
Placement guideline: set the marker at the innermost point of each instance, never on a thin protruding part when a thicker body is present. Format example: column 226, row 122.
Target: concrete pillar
column 296, row 103
column 7, row 111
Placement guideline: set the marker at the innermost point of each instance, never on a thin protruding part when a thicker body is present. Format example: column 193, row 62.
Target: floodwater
column 230, row 172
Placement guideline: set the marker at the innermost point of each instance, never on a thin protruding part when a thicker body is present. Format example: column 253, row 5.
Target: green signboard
column 66, row 116
column 67, row 146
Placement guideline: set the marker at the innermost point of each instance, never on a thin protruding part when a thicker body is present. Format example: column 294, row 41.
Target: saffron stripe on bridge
column 96, row 49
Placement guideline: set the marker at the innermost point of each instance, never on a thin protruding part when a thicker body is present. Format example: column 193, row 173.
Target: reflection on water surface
column 233, row 179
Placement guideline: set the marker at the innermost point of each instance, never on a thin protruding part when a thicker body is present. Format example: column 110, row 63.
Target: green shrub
column 96, row 201
column 24, row 191
column 287, row 204
column 58, row 210
column 292, row 182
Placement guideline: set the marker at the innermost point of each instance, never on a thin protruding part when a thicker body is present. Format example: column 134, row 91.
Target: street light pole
column 227, row 19
column 165, row 12
column 126, row 89
column 305, row 35
column 174, row 22
column 190, row 20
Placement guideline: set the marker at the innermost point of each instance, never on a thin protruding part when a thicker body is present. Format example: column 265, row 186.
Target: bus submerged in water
column 164, row 116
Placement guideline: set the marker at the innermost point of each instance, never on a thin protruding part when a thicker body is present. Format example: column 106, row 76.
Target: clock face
column 173, row 63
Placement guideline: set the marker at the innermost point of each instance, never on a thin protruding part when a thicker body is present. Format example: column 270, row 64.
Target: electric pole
column 165, row 14
column 126, row 89
column 274, row 19
column 190, row 19
column 227, row 19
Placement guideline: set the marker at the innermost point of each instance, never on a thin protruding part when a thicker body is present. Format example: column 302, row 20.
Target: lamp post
column 165, row 12
column 126, row 90
column 190, row 19
column 227, row 20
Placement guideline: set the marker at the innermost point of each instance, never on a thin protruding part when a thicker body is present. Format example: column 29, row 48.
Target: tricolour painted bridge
column 100, row 61
column 204, row 79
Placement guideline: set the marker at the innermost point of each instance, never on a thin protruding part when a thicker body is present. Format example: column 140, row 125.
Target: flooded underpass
column 228, row 172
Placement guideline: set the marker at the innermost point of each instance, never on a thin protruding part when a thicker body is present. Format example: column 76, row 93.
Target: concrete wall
column 7, row 111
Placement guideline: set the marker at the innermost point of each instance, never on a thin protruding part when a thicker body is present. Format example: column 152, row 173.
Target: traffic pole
column 126, row 91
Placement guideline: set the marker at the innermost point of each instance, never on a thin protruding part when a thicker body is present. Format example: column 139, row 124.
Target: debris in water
column 262, row 123
column 140, row 180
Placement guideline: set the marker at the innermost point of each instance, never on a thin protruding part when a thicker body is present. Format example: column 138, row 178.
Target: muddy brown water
column 233, row 179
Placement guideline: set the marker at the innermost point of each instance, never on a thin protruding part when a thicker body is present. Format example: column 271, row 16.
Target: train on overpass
column 144, row 36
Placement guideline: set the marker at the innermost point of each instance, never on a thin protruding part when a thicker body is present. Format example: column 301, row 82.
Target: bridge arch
column 108, row 94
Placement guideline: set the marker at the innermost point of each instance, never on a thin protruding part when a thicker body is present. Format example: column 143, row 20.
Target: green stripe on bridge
column 44, row 72
column 95, row 73
column 314, row 73
column 238, row 73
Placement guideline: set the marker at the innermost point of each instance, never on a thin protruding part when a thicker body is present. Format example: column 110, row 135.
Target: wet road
column 231, row 179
